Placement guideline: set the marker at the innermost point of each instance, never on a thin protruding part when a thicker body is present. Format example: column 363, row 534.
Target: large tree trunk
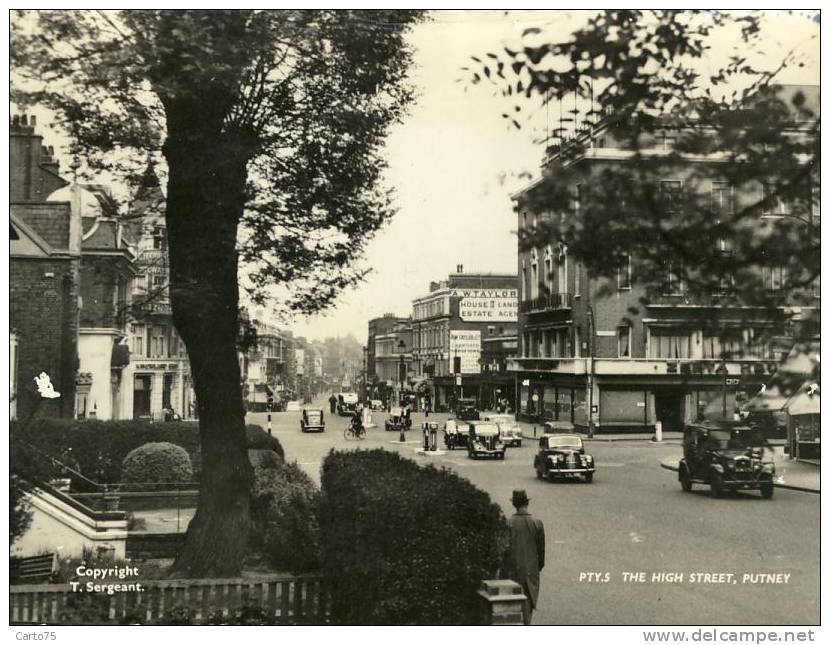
column 205, row 198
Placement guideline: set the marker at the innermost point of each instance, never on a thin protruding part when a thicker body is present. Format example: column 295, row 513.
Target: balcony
column 549, row 302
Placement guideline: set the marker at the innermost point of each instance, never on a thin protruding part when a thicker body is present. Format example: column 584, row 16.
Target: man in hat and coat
column 526, row 557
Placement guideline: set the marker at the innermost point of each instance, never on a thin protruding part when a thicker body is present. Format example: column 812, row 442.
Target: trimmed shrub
column 284, row 506
column 156, row 463
column 115, row 439
column 403, row 544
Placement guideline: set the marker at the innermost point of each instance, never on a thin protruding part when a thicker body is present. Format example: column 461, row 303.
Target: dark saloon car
column 467, row 410
column 397, row 420
column 312, row 420
column 727, row 456
column 563, row 455
column 485, row 441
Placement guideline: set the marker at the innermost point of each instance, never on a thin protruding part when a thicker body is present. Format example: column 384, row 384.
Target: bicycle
column 352, row 432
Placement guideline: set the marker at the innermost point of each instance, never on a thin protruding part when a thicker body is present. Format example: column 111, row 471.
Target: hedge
column 157, row 462
column 404, row 544
column 284, row 506
column 115, row 439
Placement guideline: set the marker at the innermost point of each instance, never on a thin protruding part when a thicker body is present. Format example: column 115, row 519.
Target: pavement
column 790, row 474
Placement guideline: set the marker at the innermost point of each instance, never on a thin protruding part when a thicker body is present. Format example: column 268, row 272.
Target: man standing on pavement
column 526, row 557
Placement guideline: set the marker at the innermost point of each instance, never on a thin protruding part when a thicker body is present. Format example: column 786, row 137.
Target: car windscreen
column 487, row 429
column 564, row 442
column 314, row 416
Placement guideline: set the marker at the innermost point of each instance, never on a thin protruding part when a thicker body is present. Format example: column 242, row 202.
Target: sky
column 454, row 164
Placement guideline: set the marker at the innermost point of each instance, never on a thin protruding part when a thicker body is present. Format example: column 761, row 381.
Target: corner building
column 585, row 356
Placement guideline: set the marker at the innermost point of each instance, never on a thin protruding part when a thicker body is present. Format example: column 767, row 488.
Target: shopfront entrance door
column 142, row 395
column 669, row 408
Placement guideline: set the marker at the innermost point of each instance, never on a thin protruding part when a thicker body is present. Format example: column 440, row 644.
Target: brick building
column 44, row 265
column 450, row 326
column 584, row 352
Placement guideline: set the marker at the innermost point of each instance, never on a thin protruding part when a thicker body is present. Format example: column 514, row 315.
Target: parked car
column 456, row 434
column 467, row 410
column 312, row 420
column 511, row 432
column 485, row 441
column 397, row 420
column 563, row 455
column 726, row 456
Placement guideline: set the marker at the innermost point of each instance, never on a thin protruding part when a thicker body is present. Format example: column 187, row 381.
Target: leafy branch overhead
column 720, row 188
column 309, row 95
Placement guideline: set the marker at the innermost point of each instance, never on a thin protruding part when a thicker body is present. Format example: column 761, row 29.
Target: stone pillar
column 501, row 602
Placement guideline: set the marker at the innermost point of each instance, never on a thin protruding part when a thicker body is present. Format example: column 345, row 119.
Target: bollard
column 402, row 437
column 425, row 430
column 433, row 436
column 658, row 431
column 534, row 429
column 502, row 602
column 269, row 421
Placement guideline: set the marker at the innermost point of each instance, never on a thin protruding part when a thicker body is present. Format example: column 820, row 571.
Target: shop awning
column 120, row 357
column 806, row 401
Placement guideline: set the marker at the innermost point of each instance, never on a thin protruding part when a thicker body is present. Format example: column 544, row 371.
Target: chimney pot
column 459, row 268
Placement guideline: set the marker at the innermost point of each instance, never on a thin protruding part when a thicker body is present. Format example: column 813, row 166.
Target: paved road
column 634, row 518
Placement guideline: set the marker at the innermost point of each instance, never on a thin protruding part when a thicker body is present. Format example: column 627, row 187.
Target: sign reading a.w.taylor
column 487, row 305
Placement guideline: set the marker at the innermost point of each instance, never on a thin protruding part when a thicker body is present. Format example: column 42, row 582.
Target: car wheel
column 767, row 490
column 716, row 484
column 685, row 479
column 589, row 477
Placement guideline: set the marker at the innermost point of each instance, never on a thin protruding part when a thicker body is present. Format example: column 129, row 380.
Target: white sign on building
column 299, row 360
column 487, row 305
column 467, row 345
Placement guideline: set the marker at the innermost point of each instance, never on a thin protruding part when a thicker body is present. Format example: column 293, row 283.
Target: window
column 137, row 340
column 671, row 195
column 159, row 280
column 548, row 271
column 491, row 330
column 577, row 272
column 774, row 203
column 675, row 284
column 669, row 342
column 140, row 284
column 159, row 238
column 669, row 142
column 624, row 274
column 624, row 341
column 775, row 278
column 158, row 342
column 722, row 200
column 534, row 274
column 525, row 284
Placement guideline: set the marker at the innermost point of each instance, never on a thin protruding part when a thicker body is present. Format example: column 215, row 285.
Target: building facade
column 450, row 327
column 44, row 270
column 592, row 352
column 158, row 376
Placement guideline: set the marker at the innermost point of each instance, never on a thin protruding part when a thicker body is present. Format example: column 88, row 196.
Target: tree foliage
column 639, row 82
column 309, row 95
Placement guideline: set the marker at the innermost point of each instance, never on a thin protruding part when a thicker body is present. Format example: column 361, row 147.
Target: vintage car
column 467, row 410
column 456, row 434
column 312, row 420
column 376, row 404
column 726, row 455
column 563, row 455
column 485, row 441
column 346, row 404
column 397, row 420
column 511, row 432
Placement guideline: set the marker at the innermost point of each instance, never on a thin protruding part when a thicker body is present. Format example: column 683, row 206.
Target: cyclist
column 357, row 423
